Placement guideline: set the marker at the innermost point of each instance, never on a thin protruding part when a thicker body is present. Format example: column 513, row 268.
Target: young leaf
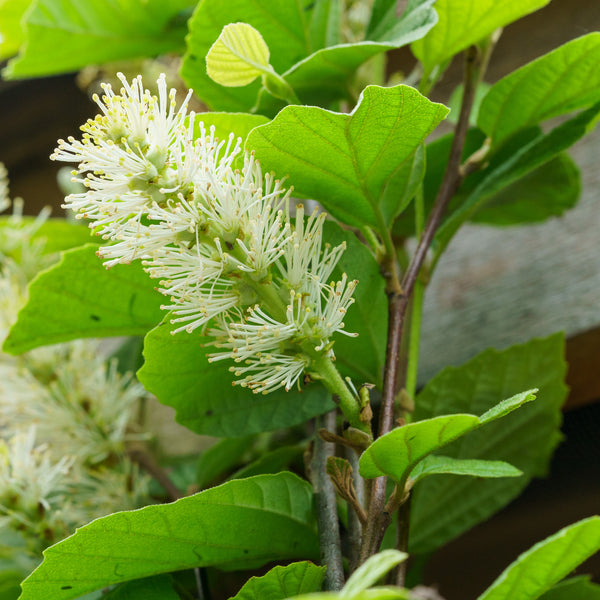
column 283, row 582
column 538, row 569
column 282, row 27
column 447, row 505
column 240, row 124
column 373, row 569
column 204, row 397
column 416, row 20
column 557, row 83
column 151, row 588
column 325, row 23
column 11, row 32
column 446, row 465
column 78, row 297
column 462, row 23
column 261, row 519
column 366, row 151
column 66, row 35
column 580, row 588
column 238, row 57
column 361, row 358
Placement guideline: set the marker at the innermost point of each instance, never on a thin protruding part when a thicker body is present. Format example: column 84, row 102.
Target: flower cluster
column 65, row 416
column 214, row 230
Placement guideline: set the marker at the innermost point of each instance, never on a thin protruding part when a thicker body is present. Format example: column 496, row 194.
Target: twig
column 399, row 296
column 402, row 540
column 354, row 524
column 140, row 455
column 325, row 501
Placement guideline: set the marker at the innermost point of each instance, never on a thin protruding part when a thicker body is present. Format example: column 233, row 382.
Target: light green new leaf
column 283, row 582
column 151, row 588
column 282, row 26
column 265, row 518
column 304, row 45
column 446, row 465
column 238, row 57
column 240, row 124
column 178, row 373
column 353, row 164
column 361, row 358
column 78, row 297
column 445, row 506
column 575, row 588
column 538, row 569
column 371, row 571
column 559, row 82
column 66, row 35
column 396, row 453
column 11, row 31
column 462, row 23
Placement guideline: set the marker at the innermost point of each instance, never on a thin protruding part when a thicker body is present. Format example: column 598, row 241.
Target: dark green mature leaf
column 283, row 582
column 360, row 358
column 535, row 153
column 272, row 462
column 446, row 506
column 557, row 83
column 538, row 569
column 10, row 584
column 446, row 465
column 575, row 588
column 545, row 192
column 416, row 20
column 265, row 518
column 152, row 588
column 178, row 373
column 220, row 458
column 396, row 453
column 304, row 44
column 66, row 35
column 78, row 297
column 353, row 164
column 462, row 23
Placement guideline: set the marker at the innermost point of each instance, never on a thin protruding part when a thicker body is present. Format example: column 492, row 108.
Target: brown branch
column 140, row 455
column 399, row 296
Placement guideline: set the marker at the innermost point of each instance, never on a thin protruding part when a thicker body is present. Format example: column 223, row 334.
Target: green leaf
column 220, row 458
column 445, row 465
column 78, row 297
column 305, row 49
column 417, row 19
column 178, row 373
column 371, row 571
column 396, row 453
column 11, row 32
column 535, row 153
column 462, row 23
column 559, row 82
column 538, row 569
column 283, row 582
column 445, row 506
column 271, row 462
column 361, row 358
column 258, row 520
column 378, row 593
column 575, row 588
column 240, row 124
column 366, row 151
column 10, row 584
column 152, row 588
column 282, row 27
column 66, row 35
column 325, row 23
column 238, row 57
column 548, row 191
